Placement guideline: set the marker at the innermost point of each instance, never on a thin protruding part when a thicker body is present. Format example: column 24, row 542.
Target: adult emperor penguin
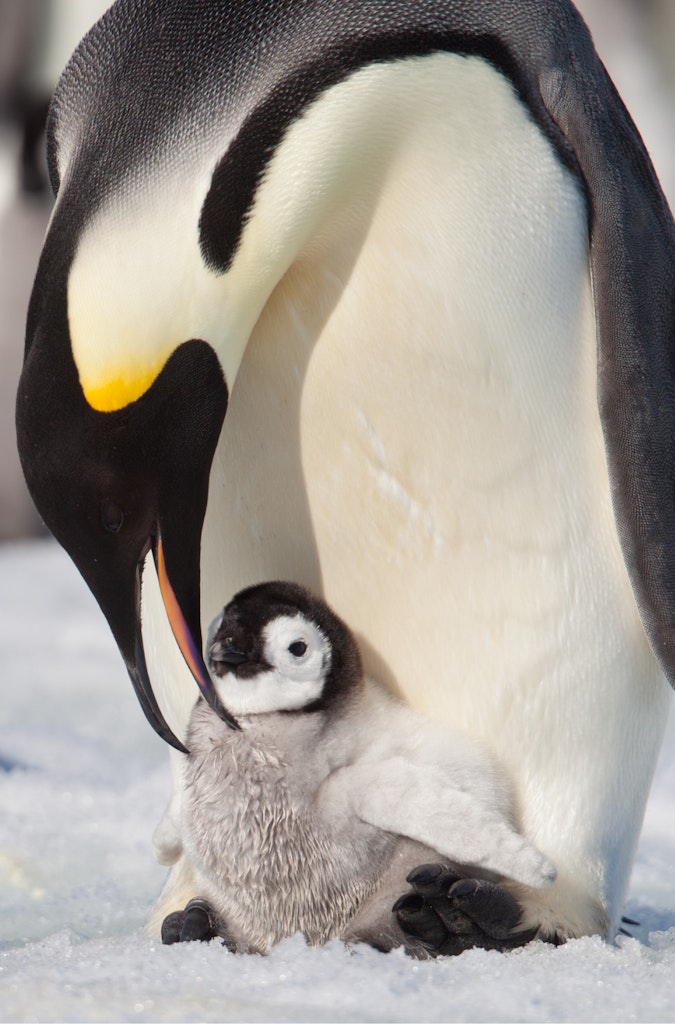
column 311, row 816
column 417, row 251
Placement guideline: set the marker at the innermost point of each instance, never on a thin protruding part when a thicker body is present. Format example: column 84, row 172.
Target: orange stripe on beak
column 185, row 640
column 179, row 626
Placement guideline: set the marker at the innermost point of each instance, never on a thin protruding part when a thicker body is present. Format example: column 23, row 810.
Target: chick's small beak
column 185, row 640
column 225, row 654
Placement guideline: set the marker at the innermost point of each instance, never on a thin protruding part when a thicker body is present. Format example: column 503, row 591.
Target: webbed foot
column 446, row 914
column 197, row 923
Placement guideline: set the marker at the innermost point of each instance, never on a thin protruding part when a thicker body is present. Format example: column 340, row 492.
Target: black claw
column 199, row 924
column 465, row 887
column 629, row 920
column 491, row 908
column 424, row 874
column 171, row 927
column 418, row 920
column 432, row 879
column 409, row 903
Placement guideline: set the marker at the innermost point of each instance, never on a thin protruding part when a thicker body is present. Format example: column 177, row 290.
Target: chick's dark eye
column 297, row 648
column 112, row 516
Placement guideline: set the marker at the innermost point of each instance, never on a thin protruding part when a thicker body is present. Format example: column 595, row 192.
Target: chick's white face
column 297, row 659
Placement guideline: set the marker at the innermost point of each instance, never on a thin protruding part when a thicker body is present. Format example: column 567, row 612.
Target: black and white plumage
column 310, row 817
column 376, row 296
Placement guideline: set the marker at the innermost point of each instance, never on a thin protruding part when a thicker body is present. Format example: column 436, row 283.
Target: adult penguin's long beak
column 184, row 635
column 188, row 646
column 140, row 678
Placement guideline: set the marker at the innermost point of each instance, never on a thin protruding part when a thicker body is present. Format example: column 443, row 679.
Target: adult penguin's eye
column 112, row 516
column 297, row 648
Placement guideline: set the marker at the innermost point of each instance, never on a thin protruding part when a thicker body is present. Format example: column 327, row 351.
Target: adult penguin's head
column 118, row 486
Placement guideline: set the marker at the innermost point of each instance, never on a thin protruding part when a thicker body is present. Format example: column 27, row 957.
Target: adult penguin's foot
column 197, row 923
column 445, row 914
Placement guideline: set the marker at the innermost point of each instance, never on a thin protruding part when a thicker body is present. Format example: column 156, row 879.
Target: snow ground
column 83, row 780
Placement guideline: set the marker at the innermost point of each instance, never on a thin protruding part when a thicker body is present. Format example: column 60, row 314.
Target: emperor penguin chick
column 310, row 817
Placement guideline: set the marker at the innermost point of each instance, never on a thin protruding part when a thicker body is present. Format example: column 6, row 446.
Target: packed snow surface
column 83, row 780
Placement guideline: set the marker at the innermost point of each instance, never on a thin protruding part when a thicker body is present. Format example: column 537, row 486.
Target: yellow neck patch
column 121, row 388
